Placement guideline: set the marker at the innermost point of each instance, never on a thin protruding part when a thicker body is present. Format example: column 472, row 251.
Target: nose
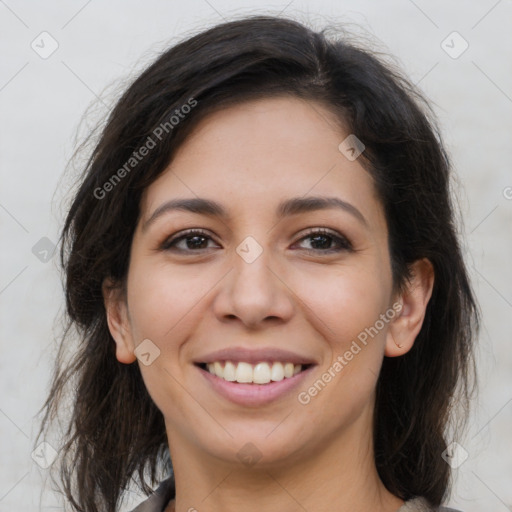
column 254, row 293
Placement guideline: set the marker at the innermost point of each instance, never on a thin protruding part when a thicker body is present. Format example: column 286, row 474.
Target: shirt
column 166, row 491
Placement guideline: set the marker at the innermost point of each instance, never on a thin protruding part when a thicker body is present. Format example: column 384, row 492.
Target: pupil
column 325, row 238
column 195, row 244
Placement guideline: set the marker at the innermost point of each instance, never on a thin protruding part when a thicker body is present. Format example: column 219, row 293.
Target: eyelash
column 343, row 242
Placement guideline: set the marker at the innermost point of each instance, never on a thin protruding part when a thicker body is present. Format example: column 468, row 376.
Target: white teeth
column 218, row 369
column 229, row 372
column 277, row 372
column 288, row 370
column 243, row 373
column 261, row 373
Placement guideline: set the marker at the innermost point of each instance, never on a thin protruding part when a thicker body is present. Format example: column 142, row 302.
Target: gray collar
column 166, row 492
column 159, row 499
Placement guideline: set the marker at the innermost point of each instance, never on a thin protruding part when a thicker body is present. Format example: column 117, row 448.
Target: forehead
column 262, row 151
column 267, row 129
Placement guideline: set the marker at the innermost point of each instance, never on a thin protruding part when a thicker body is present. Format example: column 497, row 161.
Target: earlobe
column 118, row 322
column 406, row 325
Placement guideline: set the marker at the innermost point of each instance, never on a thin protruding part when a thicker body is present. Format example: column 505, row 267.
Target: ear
column 406, row 325
column 118, row 321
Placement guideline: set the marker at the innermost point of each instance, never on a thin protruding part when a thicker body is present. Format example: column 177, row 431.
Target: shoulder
column 159, row 499
column 422, row 505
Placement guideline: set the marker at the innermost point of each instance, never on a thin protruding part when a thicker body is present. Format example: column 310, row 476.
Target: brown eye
column 191, row 241
column 322, row 240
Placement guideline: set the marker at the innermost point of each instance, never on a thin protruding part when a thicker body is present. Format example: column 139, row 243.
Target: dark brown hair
column 115, row 431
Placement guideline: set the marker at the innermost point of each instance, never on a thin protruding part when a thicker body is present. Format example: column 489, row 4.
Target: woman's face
column 260, row 284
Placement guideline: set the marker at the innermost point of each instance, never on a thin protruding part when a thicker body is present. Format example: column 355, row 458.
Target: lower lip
column 254, row 394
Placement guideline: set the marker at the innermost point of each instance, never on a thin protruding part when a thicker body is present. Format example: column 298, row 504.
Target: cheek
column 162, row 309
column 342, row 302
column 161, row 300
column 345, row 307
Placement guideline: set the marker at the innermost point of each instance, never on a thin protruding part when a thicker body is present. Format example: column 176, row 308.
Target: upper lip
column 253, row 356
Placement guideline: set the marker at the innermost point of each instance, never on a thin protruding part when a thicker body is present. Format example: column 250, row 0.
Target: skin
column 250, row 157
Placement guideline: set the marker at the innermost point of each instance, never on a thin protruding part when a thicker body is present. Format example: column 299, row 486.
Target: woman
column 263, row 269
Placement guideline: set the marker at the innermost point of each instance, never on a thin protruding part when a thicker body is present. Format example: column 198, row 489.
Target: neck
column 338, row 471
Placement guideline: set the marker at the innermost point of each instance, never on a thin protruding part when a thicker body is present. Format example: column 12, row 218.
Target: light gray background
column 103, row 44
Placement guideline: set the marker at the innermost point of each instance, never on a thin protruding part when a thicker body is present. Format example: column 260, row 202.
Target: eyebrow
column 288, row 207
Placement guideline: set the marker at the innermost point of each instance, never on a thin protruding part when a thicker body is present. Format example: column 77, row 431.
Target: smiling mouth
column 247, row 373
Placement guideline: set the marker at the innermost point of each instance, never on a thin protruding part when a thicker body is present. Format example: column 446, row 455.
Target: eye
column 322, row 240
column 194, row 240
